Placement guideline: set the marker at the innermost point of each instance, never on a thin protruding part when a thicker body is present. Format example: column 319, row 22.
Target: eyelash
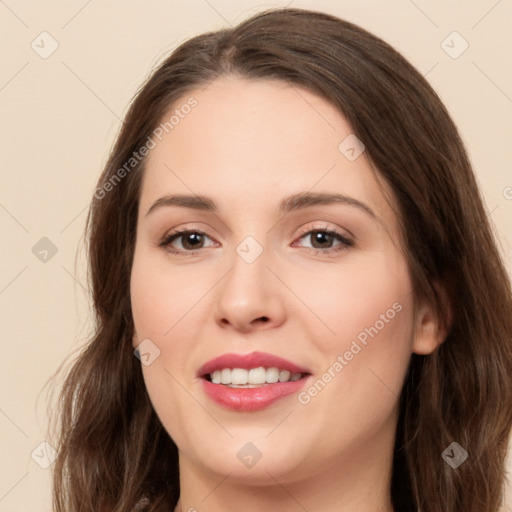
column 168, row 239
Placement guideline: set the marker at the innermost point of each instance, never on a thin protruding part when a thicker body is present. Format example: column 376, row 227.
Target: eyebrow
column 289, row 204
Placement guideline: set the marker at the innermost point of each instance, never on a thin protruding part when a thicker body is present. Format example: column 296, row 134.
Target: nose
column 249, row 297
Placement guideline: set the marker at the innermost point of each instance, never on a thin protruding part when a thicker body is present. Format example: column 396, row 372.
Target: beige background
column 59, row 117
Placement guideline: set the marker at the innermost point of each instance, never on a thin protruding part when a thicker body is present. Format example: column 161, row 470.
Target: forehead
column 252, row 142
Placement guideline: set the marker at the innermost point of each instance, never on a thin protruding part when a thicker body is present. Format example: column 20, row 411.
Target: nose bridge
column 248, row 292
column 247, row 280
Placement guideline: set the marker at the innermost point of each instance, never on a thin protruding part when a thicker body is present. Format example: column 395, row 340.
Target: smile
column 251, row 382
column 255, row 377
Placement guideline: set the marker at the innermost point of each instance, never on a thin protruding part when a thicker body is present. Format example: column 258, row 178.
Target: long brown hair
column 113, row 450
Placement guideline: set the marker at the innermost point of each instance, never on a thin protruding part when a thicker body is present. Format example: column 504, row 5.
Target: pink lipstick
column 251, row 382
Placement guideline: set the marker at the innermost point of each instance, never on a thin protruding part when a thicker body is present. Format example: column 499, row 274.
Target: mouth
column 250, row 382
column 252, row 378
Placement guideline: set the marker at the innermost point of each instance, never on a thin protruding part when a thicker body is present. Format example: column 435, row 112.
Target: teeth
column 257, row 375
column 225, row 376
column 284, row 375
column 239, row 377
column 272, row 375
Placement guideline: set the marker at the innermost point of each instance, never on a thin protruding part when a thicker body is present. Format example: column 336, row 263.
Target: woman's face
column 297, row 256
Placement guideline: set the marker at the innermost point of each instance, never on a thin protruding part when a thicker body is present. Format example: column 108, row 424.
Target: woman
column 289, row 237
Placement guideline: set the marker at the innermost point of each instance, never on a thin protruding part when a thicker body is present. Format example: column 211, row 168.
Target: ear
column 430, row 331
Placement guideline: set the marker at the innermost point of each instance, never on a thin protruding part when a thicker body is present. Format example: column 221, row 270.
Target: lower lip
column 251, row 399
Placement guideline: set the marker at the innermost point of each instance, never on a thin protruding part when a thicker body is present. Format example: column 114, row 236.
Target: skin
column 247, row 145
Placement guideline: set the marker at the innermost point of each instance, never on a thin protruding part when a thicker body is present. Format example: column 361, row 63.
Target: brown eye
column 189, row 240
column 323, row 240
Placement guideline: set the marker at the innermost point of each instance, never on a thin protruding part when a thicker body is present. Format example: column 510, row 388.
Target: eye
column 322, row 240
column 191, row 241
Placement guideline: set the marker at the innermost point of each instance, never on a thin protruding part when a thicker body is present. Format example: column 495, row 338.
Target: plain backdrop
column 68, row 72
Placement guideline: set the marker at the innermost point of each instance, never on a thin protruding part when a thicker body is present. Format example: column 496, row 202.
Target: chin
column 256, row 462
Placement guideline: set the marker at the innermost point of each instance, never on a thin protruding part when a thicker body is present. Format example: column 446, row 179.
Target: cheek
column 157, row 305
column 362, row 295
column 369, row 311
column 162, row 297
column 165, row 305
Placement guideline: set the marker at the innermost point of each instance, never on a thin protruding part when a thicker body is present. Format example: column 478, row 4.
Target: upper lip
column 248, row 361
